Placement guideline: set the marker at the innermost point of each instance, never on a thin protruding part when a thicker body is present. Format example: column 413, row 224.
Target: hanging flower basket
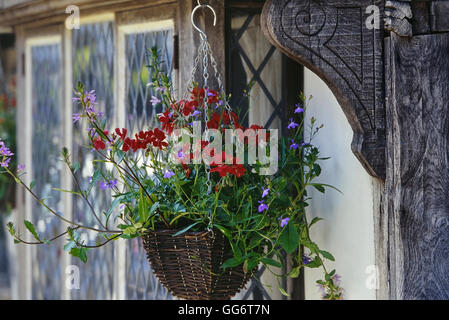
column 188, row 265
column 208, row 217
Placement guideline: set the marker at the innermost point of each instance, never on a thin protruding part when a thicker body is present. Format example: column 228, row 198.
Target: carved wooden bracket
column 341, row 41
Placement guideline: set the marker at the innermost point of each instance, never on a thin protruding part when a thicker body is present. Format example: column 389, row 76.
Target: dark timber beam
column 392, row 82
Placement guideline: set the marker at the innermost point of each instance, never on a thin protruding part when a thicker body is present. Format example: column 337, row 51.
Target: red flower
column 122, row 133
column 187, row 170
column 167, row 121
column 99, row 144
column 222, row 170
column 214, row 122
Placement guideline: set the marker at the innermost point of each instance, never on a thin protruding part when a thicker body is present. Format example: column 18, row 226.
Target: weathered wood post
column 388, row 66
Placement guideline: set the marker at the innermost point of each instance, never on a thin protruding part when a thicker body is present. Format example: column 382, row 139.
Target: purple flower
column 104, row 185
column 336, row 279
column 161, row 89
column 90, row 97
column 262, row 206
column 100, row 114
column 155, row 100
column 195, row 113
column 305, row 144
column 168, row 174
column 265, row 192
column 181, row 154
column 294, row 145
column 298, row 109
column 76, row 117
column 292, row 124
column 306, row 259
column 284, row 221
column 5, row 163
column 4, row 150
column 20, row 167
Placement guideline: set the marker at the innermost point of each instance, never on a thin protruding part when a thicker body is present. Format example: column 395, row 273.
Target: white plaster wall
column 348, row 229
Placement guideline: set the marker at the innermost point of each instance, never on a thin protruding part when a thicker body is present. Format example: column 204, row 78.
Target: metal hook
column 193, row 14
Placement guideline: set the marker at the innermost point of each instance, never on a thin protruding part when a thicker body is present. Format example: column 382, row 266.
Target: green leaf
column 143, row 207
column 289, row 238
column 283, row 291
column 32, row 184
column 76, row 167
column 315, row 220
column 271, row 262
column 81, row 253
column 69, row 245
column 231, row 262
column 294, row 273
column 327, row 255
column 11, row 229
column 225, row 231
column 31, row 229
column 315, row 263
column 185, row 229
column 319, row 187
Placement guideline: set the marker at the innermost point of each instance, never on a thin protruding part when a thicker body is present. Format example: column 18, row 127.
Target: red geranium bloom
column 167, row 121
column 121, row 133
column 99, row 144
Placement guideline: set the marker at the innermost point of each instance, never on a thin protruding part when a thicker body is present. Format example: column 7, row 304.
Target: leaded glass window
column 140, row 114
column 93, row 65
column 265, row 85
column 47, row 109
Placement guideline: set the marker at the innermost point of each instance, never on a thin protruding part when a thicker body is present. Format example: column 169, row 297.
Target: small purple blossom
column 76, row 117
column 4, row 150
column 90, row 97
column 155, row 100
column 265, row 192
column 5, row 162
column 104, row 185
column 305, row 144
column 298, row 109
column 161, row 89
column 262, row 206
column 20, row 167
column 195, row 113
column 336, row 279
column 181, row 154
column 306, row 259
column 292, row 124
column 284, row 221
column 294, row 145
column 168, row 174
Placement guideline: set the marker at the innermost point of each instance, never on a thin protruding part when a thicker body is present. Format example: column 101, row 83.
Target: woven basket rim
column 184, row 234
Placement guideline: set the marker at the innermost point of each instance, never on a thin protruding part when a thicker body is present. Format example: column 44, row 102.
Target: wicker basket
column 188, row 265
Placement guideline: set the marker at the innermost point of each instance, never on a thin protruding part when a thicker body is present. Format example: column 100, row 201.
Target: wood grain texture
column 418, row 175
column 331, row 38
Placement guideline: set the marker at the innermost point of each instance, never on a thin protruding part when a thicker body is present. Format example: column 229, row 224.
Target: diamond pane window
column 265, row 85
column 46, row 166
column 93, row 65
column 140, row 111
column 140, row 114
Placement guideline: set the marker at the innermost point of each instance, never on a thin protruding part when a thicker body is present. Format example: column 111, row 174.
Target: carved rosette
column 341, row 41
